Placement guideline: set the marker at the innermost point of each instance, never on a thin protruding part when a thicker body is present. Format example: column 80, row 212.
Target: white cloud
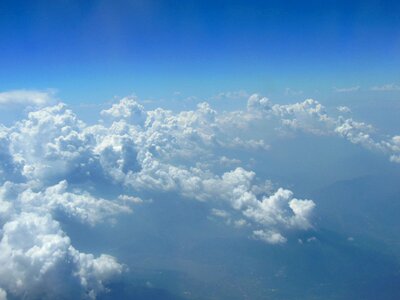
column 394, row 146
column 386, row 88
column 52, row 162
column 240, row 223
column 130, row 199
column 229, row 161
column 343, row 109
column 3, row 294
column 231, row 95
column 129, row 109
column 220, row 213
column 347, row 89
column 312, row 239
column 27, row 97
column 292, row 92
column 258, row 103
column 9, row 168
column 36, row 255
column 94, row 272
column 311, row 117
column 274, row 210
column 357, row 133
column 269, row 236
column 80, row 204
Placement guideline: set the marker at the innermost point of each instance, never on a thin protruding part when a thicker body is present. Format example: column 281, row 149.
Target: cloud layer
column 53, row 163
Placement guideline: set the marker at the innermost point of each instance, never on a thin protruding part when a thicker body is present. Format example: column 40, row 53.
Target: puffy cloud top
column 128, row 109
column 34, row 252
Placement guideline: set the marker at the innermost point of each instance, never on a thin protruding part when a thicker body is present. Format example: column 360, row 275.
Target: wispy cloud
column 240, row 94
column 347, row 89
column 27, row 97
column 343, row 109
column 386, row 88
column 291, row 92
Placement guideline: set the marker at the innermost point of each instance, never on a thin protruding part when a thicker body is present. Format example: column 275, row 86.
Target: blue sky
column 93, row 51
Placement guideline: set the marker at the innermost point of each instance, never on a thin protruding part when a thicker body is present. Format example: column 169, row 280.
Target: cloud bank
column 53, row 163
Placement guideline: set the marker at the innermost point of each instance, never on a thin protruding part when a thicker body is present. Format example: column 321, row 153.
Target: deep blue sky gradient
column 94, row 50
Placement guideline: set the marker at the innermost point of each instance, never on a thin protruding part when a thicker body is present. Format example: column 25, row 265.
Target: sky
column 192, row 150
column 96, row 50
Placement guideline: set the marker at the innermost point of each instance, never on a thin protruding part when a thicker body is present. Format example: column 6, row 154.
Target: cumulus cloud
column 53, row 163
column 37, row 258
column 9, row 168
column 312, row 117
column 50, row 144
column 127, row 109
column 269, row 236
column 394, row 146
column 80, row 204
column 27, row 97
